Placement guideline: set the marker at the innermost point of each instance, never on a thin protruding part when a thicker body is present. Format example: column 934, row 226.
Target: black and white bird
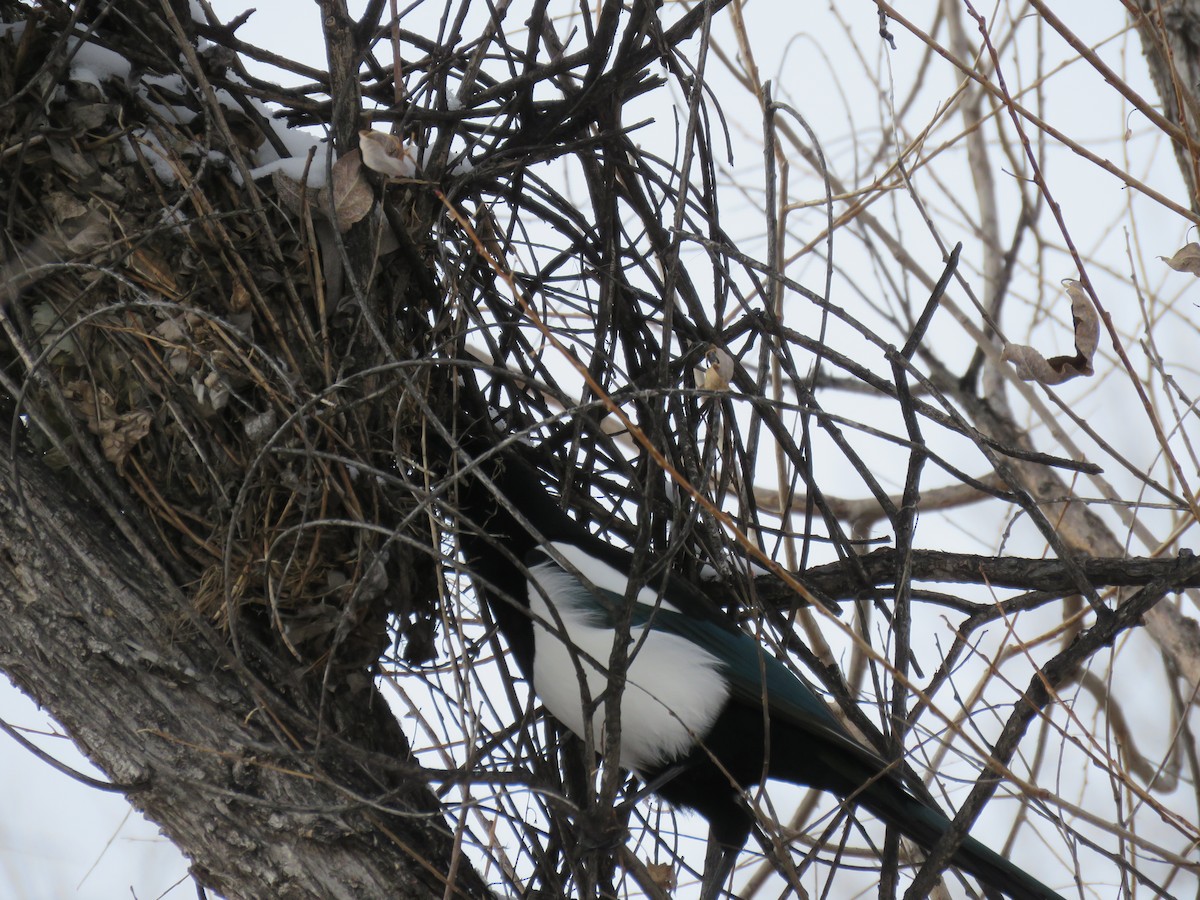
column 699, row 692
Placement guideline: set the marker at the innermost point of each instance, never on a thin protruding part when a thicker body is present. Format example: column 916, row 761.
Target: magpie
column 705, row 711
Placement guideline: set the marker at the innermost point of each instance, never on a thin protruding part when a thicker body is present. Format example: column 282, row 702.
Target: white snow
column 92, row 64
column 154, row 152
column 293, row 167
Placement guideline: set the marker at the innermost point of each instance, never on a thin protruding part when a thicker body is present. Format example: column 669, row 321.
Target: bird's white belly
column 673, row 691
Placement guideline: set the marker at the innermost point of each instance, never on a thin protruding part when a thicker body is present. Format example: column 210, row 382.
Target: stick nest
column 171, row 340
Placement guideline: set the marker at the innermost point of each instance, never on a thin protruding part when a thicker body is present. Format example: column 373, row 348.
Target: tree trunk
column 191, row 737
column 1171, row 44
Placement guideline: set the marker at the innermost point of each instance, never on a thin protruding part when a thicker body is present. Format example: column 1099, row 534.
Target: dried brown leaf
column 348, row 191
column 63, row 206
column 386, row 154
column 239, row 296
column 1085, row 320
column 488, row 232
column 118, row 432
column 70, row 160
column 152, row 270
column 1187, row 259
column 211, row 392
column 172, row 329
column 719, row 371
column 290, row 192
column 93, row 405
column 1030, row 365
column 122, row 433
column 174, row 333
column 662, row 874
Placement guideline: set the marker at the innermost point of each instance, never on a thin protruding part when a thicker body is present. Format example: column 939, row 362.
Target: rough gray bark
column 194, row 739
column 1171, row 44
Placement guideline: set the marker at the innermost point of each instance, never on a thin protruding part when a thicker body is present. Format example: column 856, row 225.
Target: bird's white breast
column 673, row 691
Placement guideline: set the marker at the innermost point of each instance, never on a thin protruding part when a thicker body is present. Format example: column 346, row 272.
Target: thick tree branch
column 839, row 582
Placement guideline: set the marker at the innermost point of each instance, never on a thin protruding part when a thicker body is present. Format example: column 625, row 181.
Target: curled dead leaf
column 662, row 874
column 1187, row 259
column 386, row 154
column 211, row 392
column 719, row 371
column 118, row 432
column 1030, row 365
column 126, row 430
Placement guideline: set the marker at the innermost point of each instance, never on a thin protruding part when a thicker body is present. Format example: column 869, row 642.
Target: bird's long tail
column 925, row 826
